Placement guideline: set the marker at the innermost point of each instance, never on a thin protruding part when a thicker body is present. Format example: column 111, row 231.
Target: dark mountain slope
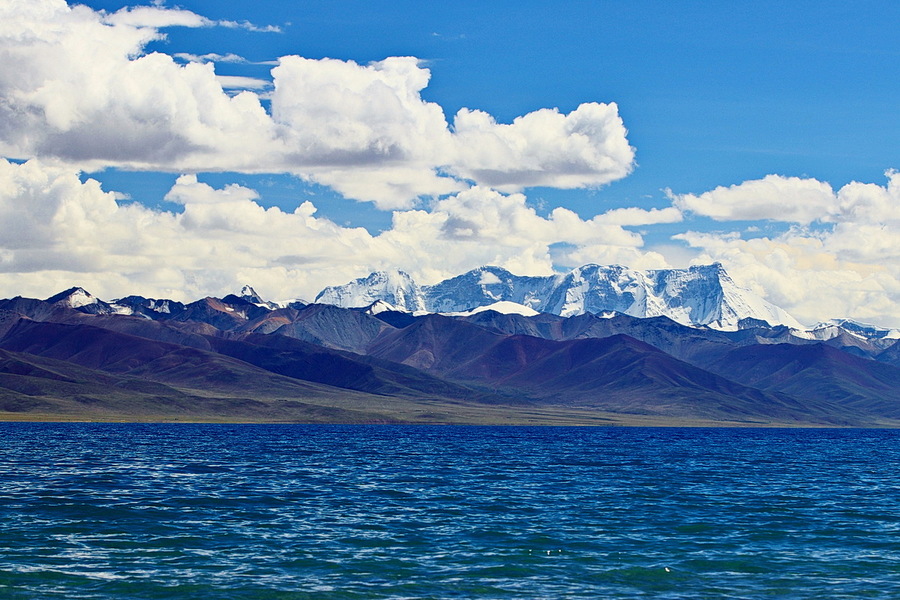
column 191, row 334
column 34, row 387
column 622, row 374
column 817, row 371
column 322, row 324
column 434, row 343
column 690, row 344
column 251, row 363
column 309, row 362
column 235, row 349
column 617, row 373
column 891, row 355
column 217, row 313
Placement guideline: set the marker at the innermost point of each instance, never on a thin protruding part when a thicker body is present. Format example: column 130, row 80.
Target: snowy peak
column 74, row 297
column 594, row 288
column 249, row 294
column 835, row 328
column 698, row 296
column 79, row 299
column 707, row 295
column 394, row 287
column 866, row 330
column 479, row 287
column 148, row 307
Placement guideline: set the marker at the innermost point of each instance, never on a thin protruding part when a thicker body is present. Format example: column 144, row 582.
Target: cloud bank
column 54, row 228
column 78, row 87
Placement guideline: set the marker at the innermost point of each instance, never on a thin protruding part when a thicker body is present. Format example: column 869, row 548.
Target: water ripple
column 114, row 511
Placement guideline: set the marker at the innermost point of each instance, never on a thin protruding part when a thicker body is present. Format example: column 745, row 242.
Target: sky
column 184, row 150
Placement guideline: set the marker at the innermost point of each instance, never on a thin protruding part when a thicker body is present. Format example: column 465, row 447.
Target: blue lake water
column 291, row 512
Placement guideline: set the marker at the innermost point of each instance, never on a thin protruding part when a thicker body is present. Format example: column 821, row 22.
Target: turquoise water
column 290, row 512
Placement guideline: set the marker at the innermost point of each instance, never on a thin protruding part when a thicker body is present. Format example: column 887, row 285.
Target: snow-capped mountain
column 698, row 296
column 836, row 329
column 867, row 331
column 74, row 297
column 704, row 296
column 148, row 307
column 250, row 295
column 82, row 300
column 394, row 287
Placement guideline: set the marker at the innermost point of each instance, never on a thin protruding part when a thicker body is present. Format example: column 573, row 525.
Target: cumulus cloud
column 187, row 190
column 773, row 198
column 77, row 85
column 849, row 265
column 79, row 89
column 588, row 147
column 156, row 17
column 635, row 217
column 57, row 231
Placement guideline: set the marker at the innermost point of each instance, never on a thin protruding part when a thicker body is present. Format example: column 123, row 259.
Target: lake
column 124, row 511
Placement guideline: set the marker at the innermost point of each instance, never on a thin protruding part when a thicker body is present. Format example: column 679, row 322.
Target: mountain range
column 703, row 295
column 598, row 345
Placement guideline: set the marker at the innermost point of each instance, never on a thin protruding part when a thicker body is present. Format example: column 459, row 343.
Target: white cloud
column 870, row 203
column 388, row 187
column 635, row 217
column 239, row 82
column 250, row 26
column 847, row 266
column 210, row 57
column 77, row 89
column 156, row 17
column 187, row 190
column 773, row 198
column 364, row 130
column 57, row 231
column 586, row 148
column 77, row 86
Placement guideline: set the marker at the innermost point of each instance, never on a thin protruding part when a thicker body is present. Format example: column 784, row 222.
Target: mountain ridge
column 700, row 295
column 321, row 362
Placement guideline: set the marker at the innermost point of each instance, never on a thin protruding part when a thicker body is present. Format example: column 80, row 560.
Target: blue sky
column 712, row 94
column 749, row 124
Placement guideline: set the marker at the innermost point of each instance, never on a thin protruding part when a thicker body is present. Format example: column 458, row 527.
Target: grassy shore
column 351, row 410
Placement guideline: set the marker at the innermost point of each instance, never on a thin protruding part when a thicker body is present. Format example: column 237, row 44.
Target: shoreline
column 606, row 420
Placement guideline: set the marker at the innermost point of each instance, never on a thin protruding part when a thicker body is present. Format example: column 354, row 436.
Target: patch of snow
column 380, row 306
column 79, row 297
column 504, row 307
